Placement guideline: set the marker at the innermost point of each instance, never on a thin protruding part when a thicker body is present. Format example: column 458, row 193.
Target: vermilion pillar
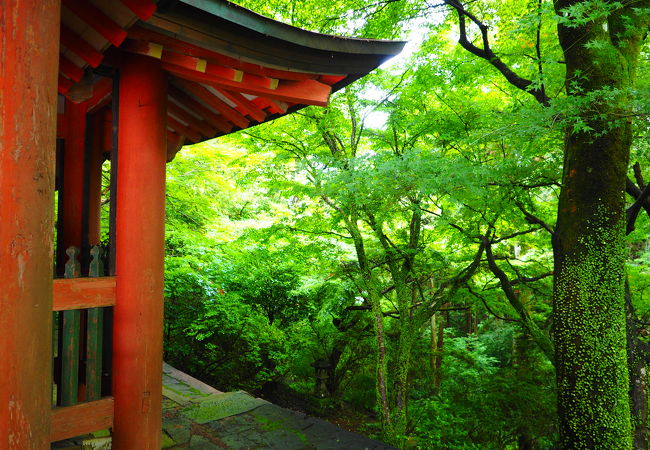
column 79, row 187
column 29, row 52
column 140, row 235
column 95, row 181
column 71, row 196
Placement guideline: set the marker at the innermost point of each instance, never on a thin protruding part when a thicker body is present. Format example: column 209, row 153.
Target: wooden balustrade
column 80, row 348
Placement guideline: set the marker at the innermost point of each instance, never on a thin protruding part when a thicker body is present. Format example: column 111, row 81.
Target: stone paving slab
column 197, row 417
column 218, row 406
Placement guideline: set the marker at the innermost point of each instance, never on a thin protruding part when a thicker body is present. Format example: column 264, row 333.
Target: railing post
column 70, row 339
column 95, row 330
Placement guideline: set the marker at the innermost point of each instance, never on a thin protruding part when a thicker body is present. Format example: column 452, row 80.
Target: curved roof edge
column 262, row 24
column 306, row 50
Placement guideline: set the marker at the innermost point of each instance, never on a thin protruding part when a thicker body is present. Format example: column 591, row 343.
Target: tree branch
column 482, row 299
column 534, row 220
column 525, row 280
column 487, row 54
column 632, row 212
column 638, row 175
column 542, row 340
column 518, row 233
column 320, row 233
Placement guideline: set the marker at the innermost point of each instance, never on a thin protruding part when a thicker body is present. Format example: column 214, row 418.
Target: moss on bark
column 589, row 307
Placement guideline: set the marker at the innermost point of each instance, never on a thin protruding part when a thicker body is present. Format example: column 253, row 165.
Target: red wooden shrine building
column 129, row 81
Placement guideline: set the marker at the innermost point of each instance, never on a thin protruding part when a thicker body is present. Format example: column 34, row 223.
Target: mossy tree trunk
column 589, row 310
column 373, row 297
column 400, row 264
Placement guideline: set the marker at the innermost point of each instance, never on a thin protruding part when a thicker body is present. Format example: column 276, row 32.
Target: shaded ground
column 340, row 413
column 199, row 417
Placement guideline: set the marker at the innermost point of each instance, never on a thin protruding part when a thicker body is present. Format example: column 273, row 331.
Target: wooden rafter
column 184, row 130
column 255, row 80
column 143, row 48
column 70, row 69
column 189, row 62
column 64, row 84
column 192, row 104
column 274, row 106
column 308, row 92
column 201, row 125
column 229, row 78
column 96, row 18
column 141, row 8
column 213, row 101
column 244, row 105
column 331, row 79
column 77, row 45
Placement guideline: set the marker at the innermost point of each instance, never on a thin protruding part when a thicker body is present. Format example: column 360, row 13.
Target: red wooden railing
column 80, row 404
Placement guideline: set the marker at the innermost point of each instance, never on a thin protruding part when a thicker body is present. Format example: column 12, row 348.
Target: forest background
column 403, row 237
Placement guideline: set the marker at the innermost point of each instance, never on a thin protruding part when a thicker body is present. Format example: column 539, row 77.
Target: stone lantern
column 321, row 366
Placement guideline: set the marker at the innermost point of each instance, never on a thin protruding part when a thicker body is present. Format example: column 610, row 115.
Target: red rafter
column 224, row 72
column 69, row 69
column 186, row 131
column 202, row 126
column 179, row 46
column 77, row 45
column 142, row 48
column 273, row 107
column 64, row 84
column 309, row 92
column 94, row 17
column 213, row 119
column 189, row 62
column 141, row 8
column 208, row 97
column 331, row 79
column 256, row 80
column 244, row 105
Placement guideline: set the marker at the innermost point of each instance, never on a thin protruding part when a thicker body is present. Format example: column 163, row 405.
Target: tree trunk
column 589, row 247
column 588, row 295
column 437, row 372
column 434, row 342
column 400, row 412
column 374, row 299
column 382, row 390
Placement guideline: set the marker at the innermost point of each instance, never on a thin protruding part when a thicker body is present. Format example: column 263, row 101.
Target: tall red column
column 71, row 196
column 29, row 52
column 140, row 235
column 95, row 181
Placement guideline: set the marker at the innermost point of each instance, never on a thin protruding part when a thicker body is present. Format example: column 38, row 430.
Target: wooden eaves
column 228, row 68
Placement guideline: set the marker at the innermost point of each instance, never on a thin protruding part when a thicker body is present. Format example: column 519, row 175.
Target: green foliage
column 491, row 396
